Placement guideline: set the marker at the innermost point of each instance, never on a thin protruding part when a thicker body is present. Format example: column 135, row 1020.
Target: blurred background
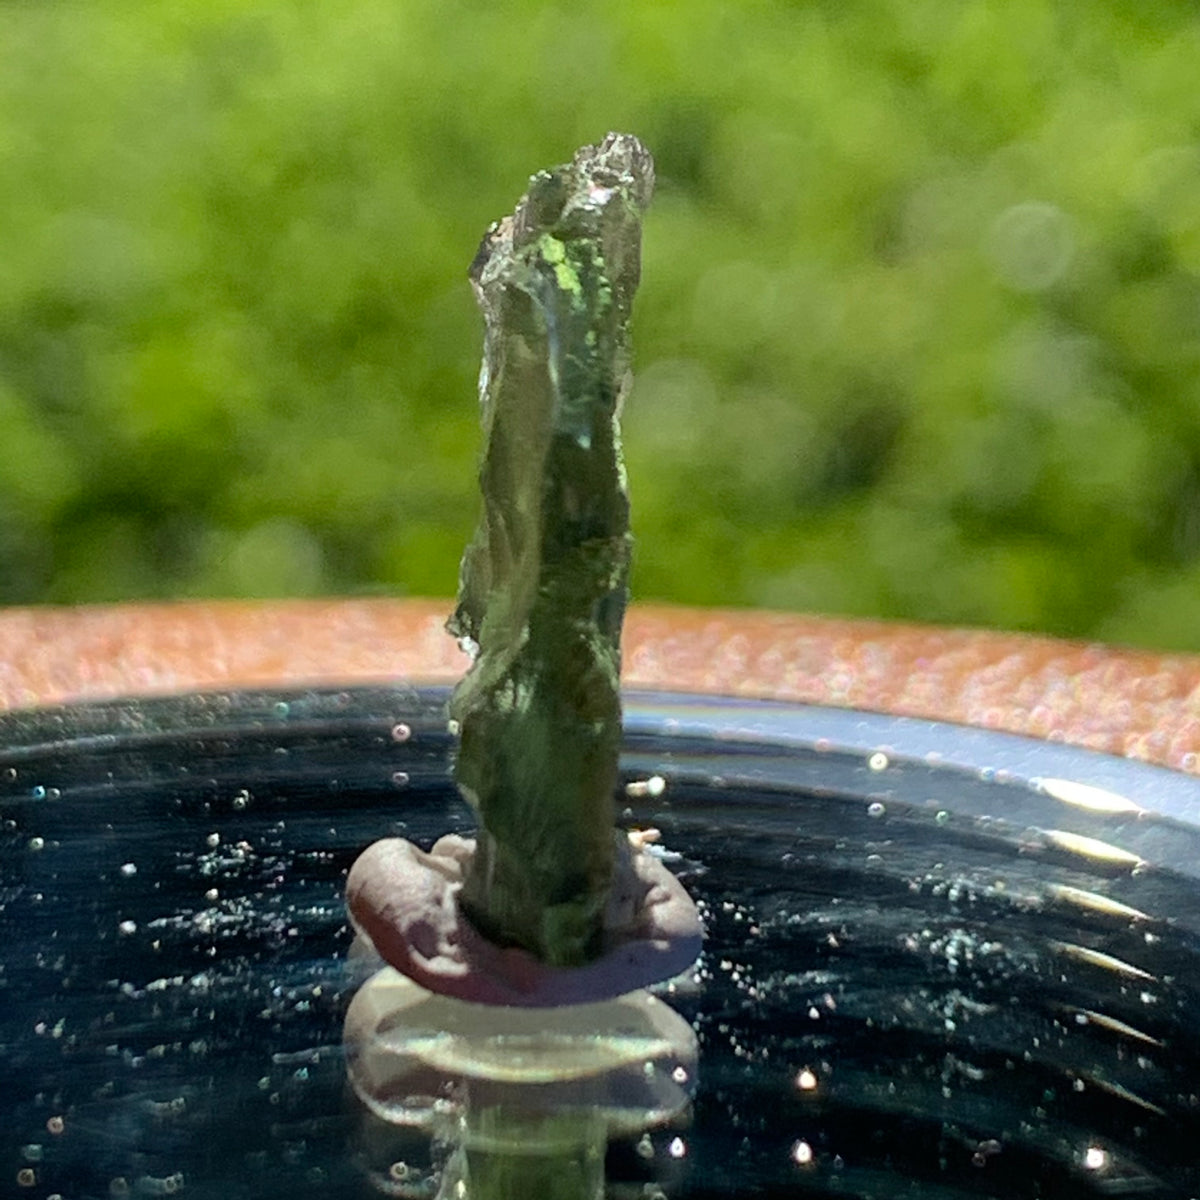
column 919, row 333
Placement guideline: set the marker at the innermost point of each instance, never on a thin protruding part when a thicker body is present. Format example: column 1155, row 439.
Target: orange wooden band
column 1139, row 704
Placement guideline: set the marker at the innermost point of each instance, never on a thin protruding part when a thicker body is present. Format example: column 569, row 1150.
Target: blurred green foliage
column 918, row 337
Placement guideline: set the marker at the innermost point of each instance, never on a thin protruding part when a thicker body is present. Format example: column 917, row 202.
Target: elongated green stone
column 544, row 582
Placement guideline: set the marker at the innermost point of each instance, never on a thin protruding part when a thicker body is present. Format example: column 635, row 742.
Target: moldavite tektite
column 543, row 586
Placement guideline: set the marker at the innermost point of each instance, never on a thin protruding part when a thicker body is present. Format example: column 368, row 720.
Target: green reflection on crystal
column 544, row 582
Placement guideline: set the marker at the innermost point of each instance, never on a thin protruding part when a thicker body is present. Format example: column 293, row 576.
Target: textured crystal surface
column 544, row 581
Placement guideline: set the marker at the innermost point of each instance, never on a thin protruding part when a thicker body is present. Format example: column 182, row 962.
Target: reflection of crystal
column 521, row 1094
column 543, row 584
column 631, row 1058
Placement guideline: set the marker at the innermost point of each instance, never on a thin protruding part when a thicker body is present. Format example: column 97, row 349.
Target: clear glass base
column 413, row 1056
column 523, row 1099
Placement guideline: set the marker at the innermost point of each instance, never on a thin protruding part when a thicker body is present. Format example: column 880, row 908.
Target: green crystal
column 543, row 584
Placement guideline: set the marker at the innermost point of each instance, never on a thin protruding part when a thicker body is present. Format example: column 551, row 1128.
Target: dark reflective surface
column 919, row 980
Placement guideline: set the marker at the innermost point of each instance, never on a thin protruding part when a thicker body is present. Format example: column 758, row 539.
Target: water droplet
column 806, row 1081
column 128, row 869
column 211, row 895
column 653, row 787
column 802, row 1153
column 37, row 843
column 127, row 927
column 26, row 1177
column 241, row 799
column 38, row 792
column 878, row 761
column 400, row 778
column 645, row 1147
column 32, row 1153
column 943, row 817
column 876, row 809
column 213, row 841
column 677, row 1148
column 10, row 774
column 401, row 732
column 1095, row 1158
column 54, row 1125
column 452, row 727
column 282, row 708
